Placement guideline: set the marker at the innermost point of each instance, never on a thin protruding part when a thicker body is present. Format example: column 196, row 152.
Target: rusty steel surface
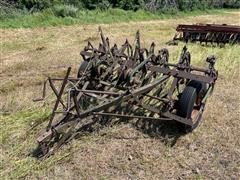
column 207, row 33
column 125, row 82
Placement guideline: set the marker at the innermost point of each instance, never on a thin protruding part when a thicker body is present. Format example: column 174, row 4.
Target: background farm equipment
column 207, row 33
column 127, row 82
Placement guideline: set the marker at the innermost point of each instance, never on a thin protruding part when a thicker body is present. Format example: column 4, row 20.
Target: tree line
column 151, row 5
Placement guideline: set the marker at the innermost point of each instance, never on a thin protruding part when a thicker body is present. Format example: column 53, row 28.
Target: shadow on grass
column 167, row 132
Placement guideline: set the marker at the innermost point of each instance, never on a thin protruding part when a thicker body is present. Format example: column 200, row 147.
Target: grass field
column 48, row 18
column 123, row 151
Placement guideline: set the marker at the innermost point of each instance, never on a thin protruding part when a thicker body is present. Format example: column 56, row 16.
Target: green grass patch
column 227, row 57
column 18, row 145
column 21, row 120
column 49, row 18
column 18, row 140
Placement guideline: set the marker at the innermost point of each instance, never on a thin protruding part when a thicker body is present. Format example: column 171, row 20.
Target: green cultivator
column 127, row 82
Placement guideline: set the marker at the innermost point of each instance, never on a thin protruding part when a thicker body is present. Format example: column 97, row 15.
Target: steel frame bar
column 209, row 28
column 131, row 116
column 182, row 74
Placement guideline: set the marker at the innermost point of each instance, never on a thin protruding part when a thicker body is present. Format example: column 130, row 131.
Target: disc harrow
column 207, row 33
column 126, row 82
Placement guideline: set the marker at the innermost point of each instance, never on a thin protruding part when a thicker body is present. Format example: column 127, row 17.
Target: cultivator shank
column 208, row 33
column 127, row 82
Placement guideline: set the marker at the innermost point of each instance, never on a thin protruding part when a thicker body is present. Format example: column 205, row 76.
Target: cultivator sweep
column 208, row 33
column 127, row 82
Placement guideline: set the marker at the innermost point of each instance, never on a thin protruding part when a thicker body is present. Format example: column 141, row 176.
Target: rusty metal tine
column 172, row 89
column 77, row 98
column 58, row 98
column 76, row 105
column 137, row 46
column 105, row 44
column 102, row 36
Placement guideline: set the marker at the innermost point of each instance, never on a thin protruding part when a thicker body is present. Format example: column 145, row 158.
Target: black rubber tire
column 185, row 107
column 186, row 102
column 82, row 68
column 200, row 87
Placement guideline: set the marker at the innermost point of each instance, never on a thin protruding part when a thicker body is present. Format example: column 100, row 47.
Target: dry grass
column 123, row 151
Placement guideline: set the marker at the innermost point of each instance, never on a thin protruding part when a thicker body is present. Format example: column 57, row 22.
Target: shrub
column 130, row 4
column 8, row 10
column 231, row 4
column 96, row 4
column 35, row 5
column 65, row 10
column 77, row 3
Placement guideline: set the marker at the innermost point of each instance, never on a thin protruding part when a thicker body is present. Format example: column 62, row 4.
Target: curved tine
column 115, row 46
column 128, row 47
column 147, row 52
column 114, row 49
column 128, row 52
column 137, row 40
column 137, row 45
column 104, row 40
column 184, row 50
column 152, row 47
column 107, row 41
column 89, row 46
column 102, row 35
column 123, row 48
column 101, row 48
column 131, row 49
column 188, row 59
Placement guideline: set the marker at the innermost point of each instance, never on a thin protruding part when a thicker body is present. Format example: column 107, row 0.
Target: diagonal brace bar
column 58, row 98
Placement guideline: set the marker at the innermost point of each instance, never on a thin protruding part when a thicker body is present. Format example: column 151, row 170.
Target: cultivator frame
column 207, row 33
column 126, row 82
